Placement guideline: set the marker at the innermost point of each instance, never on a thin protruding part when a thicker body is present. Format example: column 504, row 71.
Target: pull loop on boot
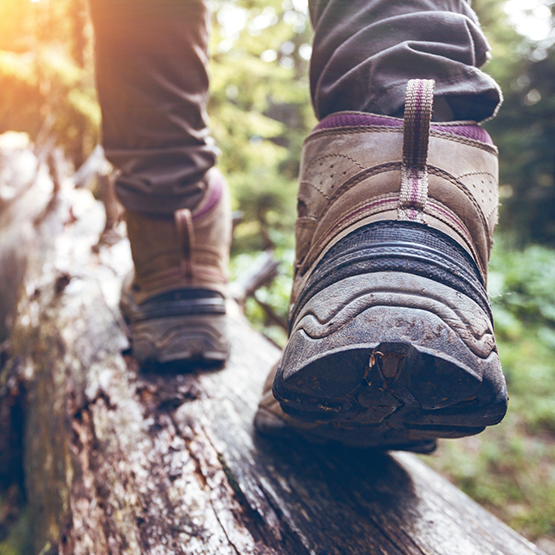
column 186, row 239
column 416, row 135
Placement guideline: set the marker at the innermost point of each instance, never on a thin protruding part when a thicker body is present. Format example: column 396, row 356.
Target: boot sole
column 391, row 359
column 181, row 325
column 194, row 337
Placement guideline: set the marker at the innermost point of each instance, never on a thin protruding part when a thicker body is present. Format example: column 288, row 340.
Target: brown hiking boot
column 391, row 333
column 174, row 301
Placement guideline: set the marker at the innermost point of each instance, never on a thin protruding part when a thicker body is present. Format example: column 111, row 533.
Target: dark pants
column 153, row 84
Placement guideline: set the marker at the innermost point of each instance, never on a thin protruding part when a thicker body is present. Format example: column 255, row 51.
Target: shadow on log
column 119, row 461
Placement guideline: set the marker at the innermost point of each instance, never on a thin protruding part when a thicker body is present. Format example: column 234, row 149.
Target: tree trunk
column 119, row 461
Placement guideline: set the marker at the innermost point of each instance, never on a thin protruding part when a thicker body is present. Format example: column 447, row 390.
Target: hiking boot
column 391, row 339
column 174, row 301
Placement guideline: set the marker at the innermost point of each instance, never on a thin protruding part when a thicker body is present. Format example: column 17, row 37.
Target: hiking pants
column 152, row 80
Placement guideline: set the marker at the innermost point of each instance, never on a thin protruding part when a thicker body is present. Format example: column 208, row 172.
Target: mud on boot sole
column 187, row 338
column 390, row 359
column 183, row 325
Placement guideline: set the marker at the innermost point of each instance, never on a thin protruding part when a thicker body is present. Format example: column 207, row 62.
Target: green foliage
column 275, row 294
column 522, row 284
column 524, row 308
column 15, row 527
column 260, row 112
column 495, row 467
column 524, row 129
column 48, row 84
column 46, row 74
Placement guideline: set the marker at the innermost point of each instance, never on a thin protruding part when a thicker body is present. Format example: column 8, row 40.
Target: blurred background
column 260, row 113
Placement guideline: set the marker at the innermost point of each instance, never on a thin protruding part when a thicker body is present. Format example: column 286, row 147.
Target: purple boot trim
column 349, row 119
column 215, row 196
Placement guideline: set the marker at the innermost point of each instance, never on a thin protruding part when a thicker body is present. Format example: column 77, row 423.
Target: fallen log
column 119, row 461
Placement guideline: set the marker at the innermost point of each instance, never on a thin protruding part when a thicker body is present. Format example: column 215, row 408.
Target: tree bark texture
column 119, row 461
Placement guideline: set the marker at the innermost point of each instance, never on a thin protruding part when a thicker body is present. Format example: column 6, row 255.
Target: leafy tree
column 260, row 111
column 524, row 129
column 46, row 73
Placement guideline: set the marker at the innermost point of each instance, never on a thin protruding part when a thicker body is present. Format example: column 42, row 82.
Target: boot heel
column 392, row 353
column 193, row 337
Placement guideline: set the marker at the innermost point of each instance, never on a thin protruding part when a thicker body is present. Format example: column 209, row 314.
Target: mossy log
column 120, row 461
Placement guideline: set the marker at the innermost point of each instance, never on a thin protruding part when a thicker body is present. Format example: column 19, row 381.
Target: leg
column 366, row 51
column 391, row 336
column 152, row 85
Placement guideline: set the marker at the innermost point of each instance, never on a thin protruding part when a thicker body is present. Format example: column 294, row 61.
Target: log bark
column 119, row 461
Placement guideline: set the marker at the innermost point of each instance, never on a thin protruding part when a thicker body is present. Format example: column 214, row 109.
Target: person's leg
column 152, row 81
column 152, row 84
column 391, row 335
column 366, row 51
